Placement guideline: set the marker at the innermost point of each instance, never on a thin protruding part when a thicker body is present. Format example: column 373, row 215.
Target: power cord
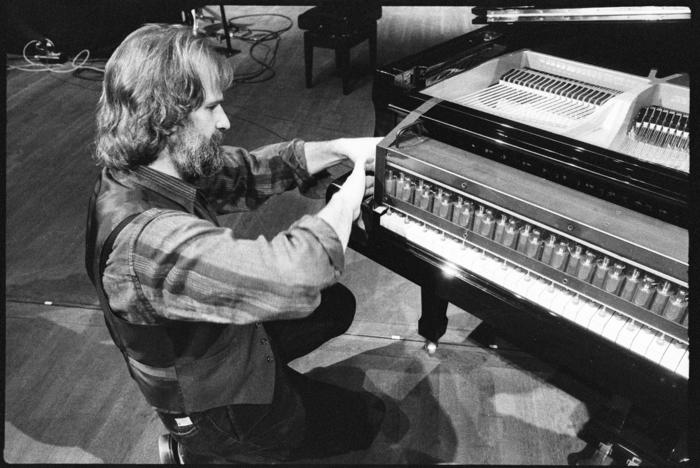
column 43, row 55
column 259, row 39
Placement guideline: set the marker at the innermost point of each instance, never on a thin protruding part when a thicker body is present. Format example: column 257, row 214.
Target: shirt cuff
column 295, row 157
column 328, row 238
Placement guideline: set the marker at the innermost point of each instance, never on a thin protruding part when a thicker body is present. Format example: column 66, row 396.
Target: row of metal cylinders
column 642, row 290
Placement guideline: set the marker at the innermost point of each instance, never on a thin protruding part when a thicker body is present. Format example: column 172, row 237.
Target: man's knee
column 343, row 305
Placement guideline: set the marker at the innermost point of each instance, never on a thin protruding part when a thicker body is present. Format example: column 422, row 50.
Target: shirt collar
column 167, row 185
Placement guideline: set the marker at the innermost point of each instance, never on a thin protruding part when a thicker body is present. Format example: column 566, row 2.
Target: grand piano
column 535, row 173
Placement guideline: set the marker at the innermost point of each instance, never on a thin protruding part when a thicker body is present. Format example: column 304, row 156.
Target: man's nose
column 222, row 122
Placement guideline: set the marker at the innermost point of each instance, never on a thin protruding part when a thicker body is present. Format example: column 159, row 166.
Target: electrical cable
column 36, row 66
column 267, row 129
column 259, row 38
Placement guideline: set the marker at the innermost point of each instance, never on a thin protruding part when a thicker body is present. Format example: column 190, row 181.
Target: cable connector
column 50, row 57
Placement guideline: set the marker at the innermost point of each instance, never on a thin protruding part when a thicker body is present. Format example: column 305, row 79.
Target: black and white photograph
column 349, row 232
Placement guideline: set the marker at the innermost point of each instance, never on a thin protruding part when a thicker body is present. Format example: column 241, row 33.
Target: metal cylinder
column 456, row 209
column 478, row 217
column 533, row 244
column 500, row 228
column 601, row 272
column 661, row 296
column 422, row 198
column 437, row 202
column 613, row 282
column 390, row 183
column 548, row 249
column 630, row 285
column 642, row 296
column 585, row 267
column 444, row 209
column 523, row 238
column 409, row 189
column 559, row 256
column 574, row 260
column 398, row 191
column 510, row 234
column 488, row 225
column 676, row 306
column 466, row 215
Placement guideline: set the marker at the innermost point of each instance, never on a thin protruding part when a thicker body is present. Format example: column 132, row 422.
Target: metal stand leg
column 433, row 320
column 224, row 22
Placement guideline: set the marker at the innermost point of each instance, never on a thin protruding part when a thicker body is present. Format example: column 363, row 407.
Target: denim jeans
column 306, row 419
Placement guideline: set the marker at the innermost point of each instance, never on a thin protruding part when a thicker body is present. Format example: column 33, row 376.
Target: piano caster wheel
column 430, row 347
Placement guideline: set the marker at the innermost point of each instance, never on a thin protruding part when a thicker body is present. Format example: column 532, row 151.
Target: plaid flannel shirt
column 172, row 264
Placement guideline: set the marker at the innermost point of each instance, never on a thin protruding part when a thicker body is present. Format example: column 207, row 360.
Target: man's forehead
column 212, row 92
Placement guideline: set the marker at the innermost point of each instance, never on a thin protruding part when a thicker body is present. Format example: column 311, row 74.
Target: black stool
column 340, row 26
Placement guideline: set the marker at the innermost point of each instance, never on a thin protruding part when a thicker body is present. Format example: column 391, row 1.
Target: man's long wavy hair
column 152, row 81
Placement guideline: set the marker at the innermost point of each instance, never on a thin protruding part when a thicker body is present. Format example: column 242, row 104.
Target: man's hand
column 357, row 149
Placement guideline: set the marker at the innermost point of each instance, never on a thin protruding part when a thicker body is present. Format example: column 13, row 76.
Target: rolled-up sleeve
column 249, row 178
column 186, row 268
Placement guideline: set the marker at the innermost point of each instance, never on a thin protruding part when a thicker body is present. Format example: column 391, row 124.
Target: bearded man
column 207, row 322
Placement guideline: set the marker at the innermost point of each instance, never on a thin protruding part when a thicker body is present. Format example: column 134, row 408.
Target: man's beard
column 196, row 156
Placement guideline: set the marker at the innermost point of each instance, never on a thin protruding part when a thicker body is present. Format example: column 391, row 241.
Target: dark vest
column 180, row 367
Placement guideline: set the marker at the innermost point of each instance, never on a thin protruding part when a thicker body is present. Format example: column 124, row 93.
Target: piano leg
column 433, row 320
